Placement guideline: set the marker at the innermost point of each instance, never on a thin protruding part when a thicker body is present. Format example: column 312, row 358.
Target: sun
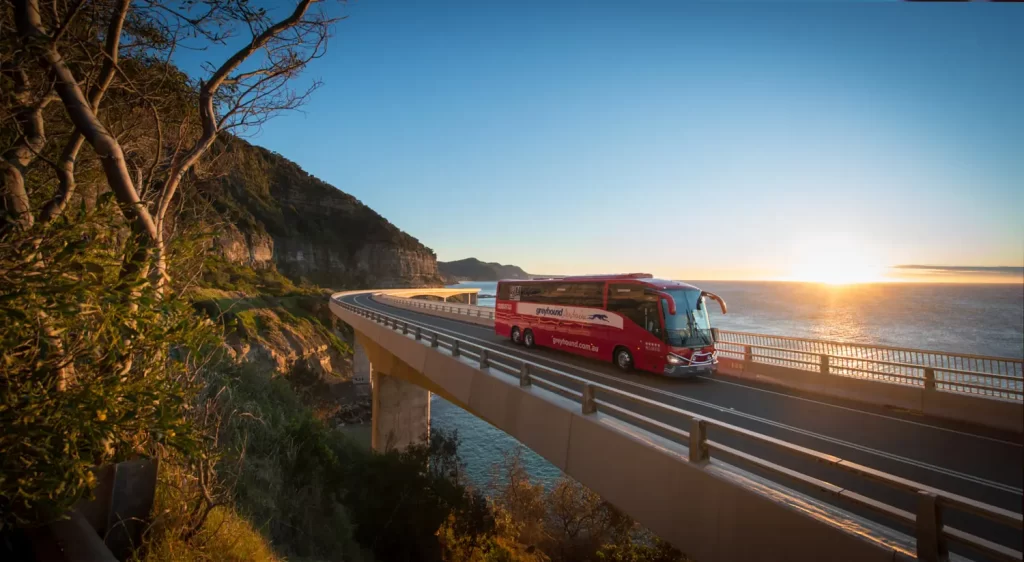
column 836, row 261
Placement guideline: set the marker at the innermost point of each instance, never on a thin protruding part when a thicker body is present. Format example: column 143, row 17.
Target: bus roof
column 644, row 278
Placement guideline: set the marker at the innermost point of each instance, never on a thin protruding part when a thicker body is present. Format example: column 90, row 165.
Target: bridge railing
column 932, row 535
column 994, row 377
column 979, row 375
column 463, row 309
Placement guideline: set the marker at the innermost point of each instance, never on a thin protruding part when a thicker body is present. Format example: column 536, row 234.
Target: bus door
column 646, row 336
column 654, row 327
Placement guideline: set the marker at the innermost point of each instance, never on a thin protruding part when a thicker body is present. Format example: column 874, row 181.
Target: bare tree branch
column 208, row 93
column 66, row 171
column 62, row 27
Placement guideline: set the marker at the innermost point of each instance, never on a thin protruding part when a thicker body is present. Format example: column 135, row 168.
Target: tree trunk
column 28, row 115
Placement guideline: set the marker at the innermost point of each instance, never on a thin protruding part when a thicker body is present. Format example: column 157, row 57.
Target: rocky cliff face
column 254, row 249
column 294, row 336
column 280, row 216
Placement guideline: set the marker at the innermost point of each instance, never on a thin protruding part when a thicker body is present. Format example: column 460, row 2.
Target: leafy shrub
column 318, row 495
column 97, row 367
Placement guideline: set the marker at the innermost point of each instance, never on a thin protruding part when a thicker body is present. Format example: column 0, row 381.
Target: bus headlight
column 674, row 359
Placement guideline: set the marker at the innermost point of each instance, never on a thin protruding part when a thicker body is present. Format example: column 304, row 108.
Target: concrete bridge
column 467, row 296
column 770, row 461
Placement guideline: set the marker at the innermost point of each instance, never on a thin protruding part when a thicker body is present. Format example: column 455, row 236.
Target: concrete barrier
column 460, row 316
column 988, row 412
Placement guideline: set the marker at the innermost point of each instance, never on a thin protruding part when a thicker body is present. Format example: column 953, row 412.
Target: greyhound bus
column 632, row 319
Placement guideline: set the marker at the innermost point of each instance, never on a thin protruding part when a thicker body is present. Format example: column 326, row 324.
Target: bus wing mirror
column 715, row 337
column 671, row 302
column 716, row 298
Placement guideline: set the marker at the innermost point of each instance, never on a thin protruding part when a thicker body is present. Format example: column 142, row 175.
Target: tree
column 243, row 92
column 61, row 310
column 101, row 355
column 519, row 503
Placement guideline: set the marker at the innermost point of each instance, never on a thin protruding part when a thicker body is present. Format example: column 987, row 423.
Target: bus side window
column 508, row 292
column 534, row 292
column 579, row 294
column 637, row 305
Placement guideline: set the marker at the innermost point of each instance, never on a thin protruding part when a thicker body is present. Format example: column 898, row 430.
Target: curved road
column 982, row 464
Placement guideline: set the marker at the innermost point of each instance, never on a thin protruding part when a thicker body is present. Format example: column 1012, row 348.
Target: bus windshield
column 690, row 326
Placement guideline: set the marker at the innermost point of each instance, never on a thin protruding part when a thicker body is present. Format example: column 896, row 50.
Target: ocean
column 977, row 319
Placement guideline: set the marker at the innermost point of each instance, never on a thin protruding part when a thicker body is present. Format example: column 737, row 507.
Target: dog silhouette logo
column 601, row 317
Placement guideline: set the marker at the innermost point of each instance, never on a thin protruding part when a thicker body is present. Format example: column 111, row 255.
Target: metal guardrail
column 932, row 535
column 979, row 375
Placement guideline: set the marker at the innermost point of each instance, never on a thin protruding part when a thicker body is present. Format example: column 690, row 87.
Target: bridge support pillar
column 360, row 369
column 401, row 413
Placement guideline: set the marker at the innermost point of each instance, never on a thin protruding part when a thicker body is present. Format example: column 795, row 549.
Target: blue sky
column 693, row 140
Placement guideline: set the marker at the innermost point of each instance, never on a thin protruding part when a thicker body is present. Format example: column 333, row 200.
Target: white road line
column 897, row 458
column 766, row 391
column 883, row 416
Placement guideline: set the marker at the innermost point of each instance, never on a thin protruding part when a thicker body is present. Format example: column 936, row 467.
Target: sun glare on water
column 836, row 261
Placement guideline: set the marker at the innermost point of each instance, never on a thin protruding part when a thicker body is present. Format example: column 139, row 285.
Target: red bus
column 632, row 319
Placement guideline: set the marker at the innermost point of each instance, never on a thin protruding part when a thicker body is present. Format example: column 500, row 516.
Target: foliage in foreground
column 567, row 523
column 225, row 536
column 315, row 495
column 311, row 491
column 97, row 366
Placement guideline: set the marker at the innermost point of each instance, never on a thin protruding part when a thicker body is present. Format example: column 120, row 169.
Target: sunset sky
column 823, row 141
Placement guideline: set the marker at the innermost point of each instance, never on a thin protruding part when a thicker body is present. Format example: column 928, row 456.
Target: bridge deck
column 978, row 463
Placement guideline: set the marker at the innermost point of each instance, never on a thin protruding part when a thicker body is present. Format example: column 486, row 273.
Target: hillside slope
column 275, row 214
column 472, row 269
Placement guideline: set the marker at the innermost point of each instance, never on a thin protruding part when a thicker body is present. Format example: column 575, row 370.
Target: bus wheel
column 528, row 338
column 517, row 336
column 624, row 359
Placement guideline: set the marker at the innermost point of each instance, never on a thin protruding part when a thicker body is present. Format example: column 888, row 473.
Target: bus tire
column 517, row 335
column 623, row 359
column 528, row 340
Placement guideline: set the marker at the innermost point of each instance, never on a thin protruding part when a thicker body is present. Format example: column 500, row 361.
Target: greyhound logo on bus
column 571, row 314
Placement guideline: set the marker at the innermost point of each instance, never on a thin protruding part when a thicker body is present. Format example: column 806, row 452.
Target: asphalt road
column 979, row 463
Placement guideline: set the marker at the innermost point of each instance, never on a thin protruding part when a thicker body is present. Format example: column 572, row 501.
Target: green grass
column 226, row 536
column 257, row 316
column 223, row 275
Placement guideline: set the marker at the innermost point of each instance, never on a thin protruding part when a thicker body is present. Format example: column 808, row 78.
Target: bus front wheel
column 517, row 336
column 624, row 359
column 528, row 338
